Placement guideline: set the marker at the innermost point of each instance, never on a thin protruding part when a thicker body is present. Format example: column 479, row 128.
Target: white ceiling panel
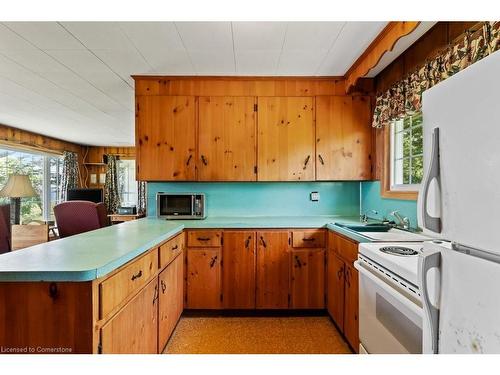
column 72, row 80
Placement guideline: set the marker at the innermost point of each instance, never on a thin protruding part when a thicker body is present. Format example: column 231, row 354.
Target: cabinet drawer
column 204, row 238
column 308, row 238
column 346, row 249
column 170, row 249
column 117, row 288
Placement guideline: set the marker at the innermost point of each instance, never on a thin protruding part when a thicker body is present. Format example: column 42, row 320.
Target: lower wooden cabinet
column 238, row 270
column 135, row 328
column 273, row 265
column 170, row 304
column 307, row 281
column 343, row 293
column 204, row 278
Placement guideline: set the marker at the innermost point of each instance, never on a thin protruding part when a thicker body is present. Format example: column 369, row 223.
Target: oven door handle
column 381, row 284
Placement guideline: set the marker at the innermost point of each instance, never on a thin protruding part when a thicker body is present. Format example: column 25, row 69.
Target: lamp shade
column 18, row 186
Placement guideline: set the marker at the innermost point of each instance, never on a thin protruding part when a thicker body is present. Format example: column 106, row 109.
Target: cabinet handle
column 348, row 278
column 203, row 238
column 137, row 275
column 263, row 242
column 204, row 160
column 297, row 261
column 156, row 295
column 189, row 159
column 212, row 261
column 309, row 239
column 247, row 242
column 321, row 159
column 307, row 161
column 340, row 273
column 175, row 247
column 163, row 286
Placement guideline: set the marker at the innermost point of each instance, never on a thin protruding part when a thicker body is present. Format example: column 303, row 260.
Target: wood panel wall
column 437, row 38
column 93, row 161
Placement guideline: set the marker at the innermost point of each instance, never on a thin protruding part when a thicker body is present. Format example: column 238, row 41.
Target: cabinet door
column 166, row 138
column 307, row 280
column 135, row 328
column 351, row 323
column 171, row 299
column 272, row 289
column 238, row 270
column 227, row 145
column 286, row 139
column 343, row 138
column 204, row 278
column 335, row 289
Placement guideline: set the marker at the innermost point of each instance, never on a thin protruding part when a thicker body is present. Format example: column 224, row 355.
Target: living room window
column 45, row 172
column 127, row 185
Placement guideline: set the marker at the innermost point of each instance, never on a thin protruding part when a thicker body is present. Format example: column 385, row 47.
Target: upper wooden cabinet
column 166, row 138
column 343, row 138
column 285, row 139
column 226, row 142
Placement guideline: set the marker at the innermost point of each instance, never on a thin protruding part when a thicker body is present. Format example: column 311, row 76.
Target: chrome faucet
column 364, row 217
column 404, row 222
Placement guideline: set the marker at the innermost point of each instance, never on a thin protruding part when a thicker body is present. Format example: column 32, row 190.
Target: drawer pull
column 203, row 238
column 175, row 247
column 137, row 275
column 309, row 239
column 163, row 286
column 263, row 242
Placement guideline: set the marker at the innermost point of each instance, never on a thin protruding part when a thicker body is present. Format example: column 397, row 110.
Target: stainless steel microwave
column 180, row 205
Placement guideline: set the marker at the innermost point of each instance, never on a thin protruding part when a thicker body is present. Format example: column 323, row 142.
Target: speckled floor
column 256, row 335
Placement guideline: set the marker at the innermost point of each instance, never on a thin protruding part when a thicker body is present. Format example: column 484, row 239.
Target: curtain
column 111, row 193
column 404, row 98
column 141, row 197
column 70, row 174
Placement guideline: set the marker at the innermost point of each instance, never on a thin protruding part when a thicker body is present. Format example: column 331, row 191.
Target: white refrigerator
column 460, row 202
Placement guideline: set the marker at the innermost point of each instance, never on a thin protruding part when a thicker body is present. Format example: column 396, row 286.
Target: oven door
column 389, row 322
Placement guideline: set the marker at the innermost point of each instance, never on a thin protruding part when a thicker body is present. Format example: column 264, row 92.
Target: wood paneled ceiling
column 71, row 80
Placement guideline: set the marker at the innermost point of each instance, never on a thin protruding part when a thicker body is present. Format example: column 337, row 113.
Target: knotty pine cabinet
column 238, row 270
column 307, row 281
column 342, row 284
column 203, row 278
column 166, row 138
column 226, row 139
column 286, row 132
column 273, row 269
column 343, row 138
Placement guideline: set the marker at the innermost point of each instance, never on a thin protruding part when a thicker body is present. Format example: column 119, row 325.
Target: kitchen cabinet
column 135, row 328
column 171, row 299
column 227, row 141
column 203, row 278
column 166, row 138
column 343, row 293
column 307, row 281
column 273, row 265
column 286, row 139
column 343, row 138
column 238, row 270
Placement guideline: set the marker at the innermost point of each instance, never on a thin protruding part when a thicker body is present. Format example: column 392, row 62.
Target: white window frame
column 394, row 186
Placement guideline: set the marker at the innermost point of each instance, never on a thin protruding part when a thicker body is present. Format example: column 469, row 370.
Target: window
column 45, row 175
column 127, row 185
column 407, row 153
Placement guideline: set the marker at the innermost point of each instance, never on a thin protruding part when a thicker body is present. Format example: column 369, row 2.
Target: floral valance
column 404, row 98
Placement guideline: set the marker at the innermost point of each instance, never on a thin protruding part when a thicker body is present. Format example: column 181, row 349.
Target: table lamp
column 18, row 186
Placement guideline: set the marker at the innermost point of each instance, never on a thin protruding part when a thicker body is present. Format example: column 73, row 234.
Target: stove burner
column 398, row 250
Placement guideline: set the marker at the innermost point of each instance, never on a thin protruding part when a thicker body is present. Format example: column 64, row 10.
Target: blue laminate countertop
column 86, row 256
column 94, row 254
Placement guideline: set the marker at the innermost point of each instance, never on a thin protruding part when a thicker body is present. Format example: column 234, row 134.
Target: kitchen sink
column 372, row 227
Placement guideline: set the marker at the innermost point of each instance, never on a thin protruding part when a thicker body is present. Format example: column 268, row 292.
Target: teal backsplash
column 372, row 200
column 267, row 198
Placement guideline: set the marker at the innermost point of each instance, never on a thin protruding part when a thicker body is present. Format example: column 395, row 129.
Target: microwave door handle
column 429, row 222
column 426, row 263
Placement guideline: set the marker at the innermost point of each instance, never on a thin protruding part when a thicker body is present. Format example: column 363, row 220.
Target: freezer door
column 465, row 108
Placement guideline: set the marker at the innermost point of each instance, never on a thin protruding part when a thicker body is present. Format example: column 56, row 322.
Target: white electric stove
column 390, row 308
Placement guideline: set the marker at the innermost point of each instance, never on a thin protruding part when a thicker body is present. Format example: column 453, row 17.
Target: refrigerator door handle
column 426, row 263
column 429, row 222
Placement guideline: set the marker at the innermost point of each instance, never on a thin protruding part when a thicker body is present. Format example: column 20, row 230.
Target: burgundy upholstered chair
column 4, row 228
column 74, row 217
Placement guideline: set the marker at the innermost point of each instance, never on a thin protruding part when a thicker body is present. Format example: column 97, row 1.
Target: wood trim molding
column 383, row 43
column 385, row 186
